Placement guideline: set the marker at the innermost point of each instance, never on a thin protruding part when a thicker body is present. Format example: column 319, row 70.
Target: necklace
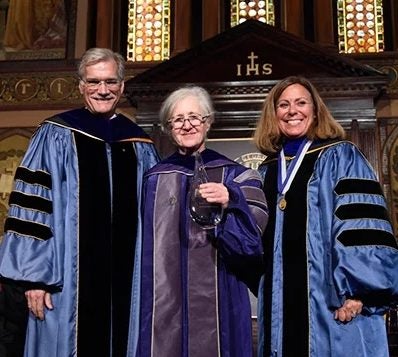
column 286, row 176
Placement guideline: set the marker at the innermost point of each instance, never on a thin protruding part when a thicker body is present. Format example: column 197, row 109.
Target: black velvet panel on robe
column 294, row 252
column 270, row 190
column 124, row 230
column 106, row 245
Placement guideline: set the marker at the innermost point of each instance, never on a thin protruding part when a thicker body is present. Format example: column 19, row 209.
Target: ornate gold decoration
column 54, row 89
column 148, row 37
column 360, row 26
column 392, row 72
column 251, row 160
column 260, row 10
column 2, row 86
column 60, row 88
column 22, row 89
column 25, row 89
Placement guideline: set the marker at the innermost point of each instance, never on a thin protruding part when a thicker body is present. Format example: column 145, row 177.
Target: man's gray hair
column 96, row 55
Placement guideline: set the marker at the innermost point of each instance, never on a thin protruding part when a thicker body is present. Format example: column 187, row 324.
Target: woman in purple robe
column 194, row 300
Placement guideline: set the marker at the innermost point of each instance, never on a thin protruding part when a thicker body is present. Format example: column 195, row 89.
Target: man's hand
column 350, row 309
column 37, row 301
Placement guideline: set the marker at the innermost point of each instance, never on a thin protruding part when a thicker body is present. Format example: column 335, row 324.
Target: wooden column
column 293, row 17
column 182, row 26
column 366, row 138
column 354, row 132
column 211, row 18
column 104, row 23
column 394, row 19
column 323, row 22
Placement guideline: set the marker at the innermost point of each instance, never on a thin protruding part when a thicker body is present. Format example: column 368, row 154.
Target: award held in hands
column 206, row 214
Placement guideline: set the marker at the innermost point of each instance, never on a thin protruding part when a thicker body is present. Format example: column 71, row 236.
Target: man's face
column 101, row 88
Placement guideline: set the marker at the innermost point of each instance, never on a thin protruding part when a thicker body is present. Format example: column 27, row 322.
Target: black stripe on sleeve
column 359, row 237
column 346, row 186
column 30, row 229
column 33, row 177
column 362, row 210
column 31, row 202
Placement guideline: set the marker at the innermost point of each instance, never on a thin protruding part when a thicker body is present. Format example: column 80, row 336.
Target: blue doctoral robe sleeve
column 33, row 247
column 364, row 249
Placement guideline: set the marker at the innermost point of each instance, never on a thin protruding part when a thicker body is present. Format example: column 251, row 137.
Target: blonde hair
column 268, row 137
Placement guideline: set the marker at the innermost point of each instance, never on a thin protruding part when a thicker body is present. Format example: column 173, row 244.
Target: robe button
column 173, row 200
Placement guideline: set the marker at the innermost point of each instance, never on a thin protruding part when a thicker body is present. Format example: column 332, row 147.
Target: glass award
column 206, row 214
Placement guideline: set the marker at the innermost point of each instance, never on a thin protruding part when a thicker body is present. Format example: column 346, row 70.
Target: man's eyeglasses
column 96, row 83
column 193, row 119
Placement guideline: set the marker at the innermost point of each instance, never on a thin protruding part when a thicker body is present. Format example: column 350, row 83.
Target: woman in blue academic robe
column 331, row 259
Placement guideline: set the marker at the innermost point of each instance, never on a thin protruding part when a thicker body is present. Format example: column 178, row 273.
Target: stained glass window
column 262, row 10
column 148, row 37
column 360, row 26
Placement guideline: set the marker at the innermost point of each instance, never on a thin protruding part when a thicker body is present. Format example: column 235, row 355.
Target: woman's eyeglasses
column 193, row 119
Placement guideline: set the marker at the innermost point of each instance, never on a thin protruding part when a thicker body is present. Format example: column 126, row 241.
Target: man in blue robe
column 72, row 236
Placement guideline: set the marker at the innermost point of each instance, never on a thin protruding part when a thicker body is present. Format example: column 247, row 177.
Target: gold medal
column 282, row 203
column 286, row 174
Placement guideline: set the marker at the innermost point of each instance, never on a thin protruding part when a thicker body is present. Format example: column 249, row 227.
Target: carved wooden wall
column 13, row 144
column 388, row 128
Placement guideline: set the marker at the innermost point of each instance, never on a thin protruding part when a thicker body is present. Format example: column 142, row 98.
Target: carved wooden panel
column 13, row 144
column 388, row 128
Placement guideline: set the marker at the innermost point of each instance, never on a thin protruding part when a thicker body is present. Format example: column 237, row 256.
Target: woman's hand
column 215, row 193
column 37, row 301
column 350, row 309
